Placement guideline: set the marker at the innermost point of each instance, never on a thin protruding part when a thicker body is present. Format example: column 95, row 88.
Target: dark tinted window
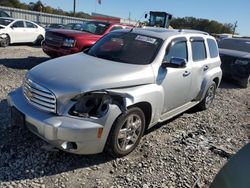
column 198, row 50
column 30, row 25
column 5, row 22
column 179, row 50
column 97, row 28
column 116, row 28
column 213, row 49
column 69, row 26
column 18, row 24
column 3, row 14
column 126, row 48
column 235, row 44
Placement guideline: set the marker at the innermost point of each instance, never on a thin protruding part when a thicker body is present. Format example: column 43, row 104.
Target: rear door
column 200, row 65
column 18, row 32
column 32, row 31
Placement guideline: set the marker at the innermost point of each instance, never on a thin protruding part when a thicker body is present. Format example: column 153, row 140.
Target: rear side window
column 198, row 50
column 30, row 25
column 178, row 50
column 213, row 49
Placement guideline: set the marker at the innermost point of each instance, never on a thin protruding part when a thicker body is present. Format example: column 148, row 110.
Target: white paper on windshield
column 145, row 39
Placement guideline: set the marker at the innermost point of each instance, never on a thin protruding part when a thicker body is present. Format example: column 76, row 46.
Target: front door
column 176, row 82
column 17, row 32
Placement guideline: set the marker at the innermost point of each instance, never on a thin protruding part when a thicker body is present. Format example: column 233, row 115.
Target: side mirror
column 175, row 62
column 146, row 15
column 12, row 27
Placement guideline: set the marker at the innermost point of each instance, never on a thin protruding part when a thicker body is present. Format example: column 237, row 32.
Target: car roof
column 164, row 33
column 15, row 19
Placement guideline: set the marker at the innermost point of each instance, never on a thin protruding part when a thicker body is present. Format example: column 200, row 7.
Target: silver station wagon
column 107, row 96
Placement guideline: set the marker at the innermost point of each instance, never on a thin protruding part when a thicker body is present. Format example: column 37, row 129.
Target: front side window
column 126, row 47
column 18, row 24
column 177, row 50
column 30, row 25
column 213, row 49
column 198, row 50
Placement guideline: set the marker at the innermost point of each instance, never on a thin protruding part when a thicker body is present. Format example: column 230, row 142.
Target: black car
column 4, row 14
column 55, row 26
column 235, row 58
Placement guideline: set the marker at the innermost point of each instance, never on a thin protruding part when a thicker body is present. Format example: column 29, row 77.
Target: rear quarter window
column 213, row 49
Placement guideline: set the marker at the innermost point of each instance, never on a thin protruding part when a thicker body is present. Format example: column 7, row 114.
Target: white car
column 19, row 31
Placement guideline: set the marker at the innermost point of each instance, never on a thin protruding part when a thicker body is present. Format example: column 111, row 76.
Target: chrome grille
column 39, row 96
column 53, row 40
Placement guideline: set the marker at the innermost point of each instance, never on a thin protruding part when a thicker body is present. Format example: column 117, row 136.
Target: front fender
column 151, row 93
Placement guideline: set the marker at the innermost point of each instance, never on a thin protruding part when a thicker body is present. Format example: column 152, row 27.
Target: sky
column 224, row 11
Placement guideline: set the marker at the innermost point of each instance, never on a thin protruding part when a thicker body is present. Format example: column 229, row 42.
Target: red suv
column 59, row 42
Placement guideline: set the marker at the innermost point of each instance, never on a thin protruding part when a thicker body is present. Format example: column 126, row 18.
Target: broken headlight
column 96, row 104
column 91, row 104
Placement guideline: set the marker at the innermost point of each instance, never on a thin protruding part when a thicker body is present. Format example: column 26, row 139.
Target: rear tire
column 209, row 97
column 126, row 133
column 38, row 41
column 5, row 42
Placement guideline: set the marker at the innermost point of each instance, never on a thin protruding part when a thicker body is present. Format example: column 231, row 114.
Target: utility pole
column 74, row 8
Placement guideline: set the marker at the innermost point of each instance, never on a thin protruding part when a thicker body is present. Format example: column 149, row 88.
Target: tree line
column 210, row 26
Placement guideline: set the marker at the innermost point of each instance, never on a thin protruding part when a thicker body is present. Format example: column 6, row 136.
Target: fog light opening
column 69, row 145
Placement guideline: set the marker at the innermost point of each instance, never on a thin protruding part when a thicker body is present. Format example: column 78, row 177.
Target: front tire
column 126, row 133
column 209, row 97
column 5, row 42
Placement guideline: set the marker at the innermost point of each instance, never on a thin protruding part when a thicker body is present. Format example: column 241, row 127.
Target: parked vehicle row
column 107, row 96
column 59, row 42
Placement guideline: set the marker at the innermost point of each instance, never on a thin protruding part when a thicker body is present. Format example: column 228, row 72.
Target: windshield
column 242, row 45
column 5, row 22
column 97, row 28
column 126, row 48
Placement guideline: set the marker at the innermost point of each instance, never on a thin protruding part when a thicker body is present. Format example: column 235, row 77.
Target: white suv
column 107, row 96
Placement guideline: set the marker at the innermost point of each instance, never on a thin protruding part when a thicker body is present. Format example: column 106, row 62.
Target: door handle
column 186, row 73
column 206, row 68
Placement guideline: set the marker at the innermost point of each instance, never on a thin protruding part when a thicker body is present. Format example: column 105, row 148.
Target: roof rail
column 192, row 31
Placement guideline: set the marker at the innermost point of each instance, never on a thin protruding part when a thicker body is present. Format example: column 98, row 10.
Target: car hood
column 70, row 33
column 79, row 73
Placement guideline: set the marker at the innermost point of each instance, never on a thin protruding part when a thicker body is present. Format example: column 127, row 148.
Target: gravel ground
column 187, row 149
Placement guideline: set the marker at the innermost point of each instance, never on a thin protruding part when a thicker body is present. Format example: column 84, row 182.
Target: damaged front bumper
column 72, row 134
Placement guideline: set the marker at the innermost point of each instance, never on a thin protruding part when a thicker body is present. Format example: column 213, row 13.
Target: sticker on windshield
column 145, row 39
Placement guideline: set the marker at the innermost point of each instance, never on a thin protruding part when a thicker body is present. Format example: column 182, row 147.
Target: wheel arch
column 146, row 109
